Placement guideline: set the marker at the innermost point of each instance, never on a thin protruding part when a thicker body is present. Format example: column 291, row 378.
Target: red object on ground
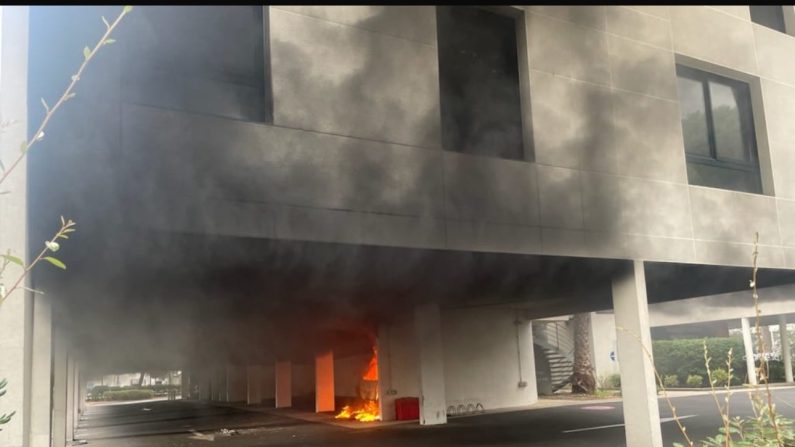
column 407, row 408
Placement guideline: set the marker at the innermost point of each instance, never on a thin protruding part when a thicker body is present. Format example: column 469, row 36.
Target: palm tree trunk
column 582, row 379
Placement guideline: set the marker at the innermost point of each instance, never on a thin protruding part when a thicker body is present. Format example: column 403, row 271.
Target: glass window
column 694, row 116
column 771, row 16
column 729, row 139
column 718, row 131
column 479, row 82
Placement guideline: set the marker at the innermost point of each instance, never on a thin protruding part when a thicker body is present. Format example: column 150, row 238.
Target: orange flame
column 372, row 369
column 367, row 410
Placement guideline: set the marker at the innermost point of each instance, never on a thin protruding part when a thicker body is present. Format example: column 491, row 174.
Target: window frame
column 518, row 15
column 782, row 18
column 753, row 166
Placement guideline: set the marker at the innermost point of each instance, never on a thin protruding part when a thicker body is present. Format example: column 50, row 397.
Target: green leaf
column 109, row 41
column 86, row 52
column 55, row 262
column 52, row 246
column 13, row 259
column 23, row 147
column 128, row 9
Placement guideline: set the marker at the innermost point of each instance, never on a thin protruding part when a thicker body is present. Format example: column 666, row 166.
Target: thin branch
column 66, row 227
column 67, row 94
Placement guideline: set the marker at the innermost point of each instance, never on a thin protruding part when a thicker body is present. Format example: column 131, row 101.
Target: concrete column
column 41, row 370
column 324, row 382
column 284, row 384
column 638, row 387
column 428, row 329
column 16, row 314
column 386, row 398
column 185, row 385
column 786, row 351
column 236, row 383
column 748, row 344
column 76, row 401
column 205, row 384
column 254, row 384
column 59, row 389
column 70, row 399
column 81, row 403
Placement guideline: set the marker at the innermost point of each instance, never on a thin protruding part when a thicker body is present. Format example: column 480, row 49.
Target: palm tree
column 582, row 378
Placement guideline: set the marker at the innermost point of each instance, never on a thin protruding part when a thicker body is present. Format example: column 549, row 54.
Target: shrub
column 128, row 395
column 686, row 357
column 720, row 377
column 671, row 380
column 695, row 380
column 612, row 381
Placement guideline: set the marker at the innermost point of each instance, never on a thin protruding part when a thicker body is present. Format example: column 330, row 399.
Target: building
column 276, row 191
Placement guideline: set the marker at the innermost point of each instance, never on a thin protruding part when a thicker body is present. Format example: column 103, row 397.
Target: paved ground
column 169, row 424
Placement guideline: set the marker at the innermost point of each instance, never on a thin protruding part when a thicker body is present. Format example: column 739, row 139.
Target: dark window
column 718, row 129
column 204, row 59
column 479, row 82
column 769, row 16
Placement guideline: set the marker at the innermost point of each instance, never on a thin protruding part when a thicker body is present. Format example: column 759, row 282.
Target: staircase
column 560, row 369
column 556, row 340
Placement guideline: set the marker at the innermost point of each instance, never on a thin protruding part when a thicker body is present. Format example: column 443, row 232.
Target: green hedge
column 685, row 358
column 128, row 395
column 98, row 392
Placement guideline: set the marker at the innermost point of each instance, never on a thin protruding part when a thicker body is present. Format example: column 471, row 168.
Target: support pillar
column 633, row 335
column 185, row 385
column 16, row 314
column 81, row 402
column 41, row 370
column 59, row 390
column 254, row 384
column 748, row 344
column 236, row 383
column 324, row 382
column 427, row 325
column 284, row 384
column 75, row 409
column 205, row 378
column 386, row 398
column 70, row 399
column 786, row 351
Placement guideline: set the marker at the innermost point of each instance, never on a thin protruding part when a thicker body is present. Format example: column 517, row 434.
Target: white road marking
column 201, row 437
column 621, row 425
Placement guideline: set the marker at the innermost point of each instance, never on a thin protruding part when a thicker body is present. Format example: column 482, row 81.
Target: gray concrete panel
column 734, row 48
column 566, row 49
column 641, row 68
column 648, row 137
column 639, row 25
column 415, row 22
column 490, row 189
column 572, row 123
column 720, row 215
column 588, row 16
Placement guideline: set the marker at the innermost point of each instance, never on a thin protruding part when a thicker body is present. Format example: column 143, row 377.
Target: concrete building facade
column 262, row 185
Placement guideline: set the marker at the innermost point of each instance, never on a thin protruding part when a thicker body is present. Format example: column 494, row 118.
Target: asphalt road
column 169, row 424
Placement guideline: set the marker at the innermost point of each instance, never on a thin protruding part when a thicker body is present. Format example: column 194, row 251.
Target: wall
column 603, row 330
column 397, row 362
column 348, row 373
column 303, row 379
column 480, row 358
column 354, row 153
